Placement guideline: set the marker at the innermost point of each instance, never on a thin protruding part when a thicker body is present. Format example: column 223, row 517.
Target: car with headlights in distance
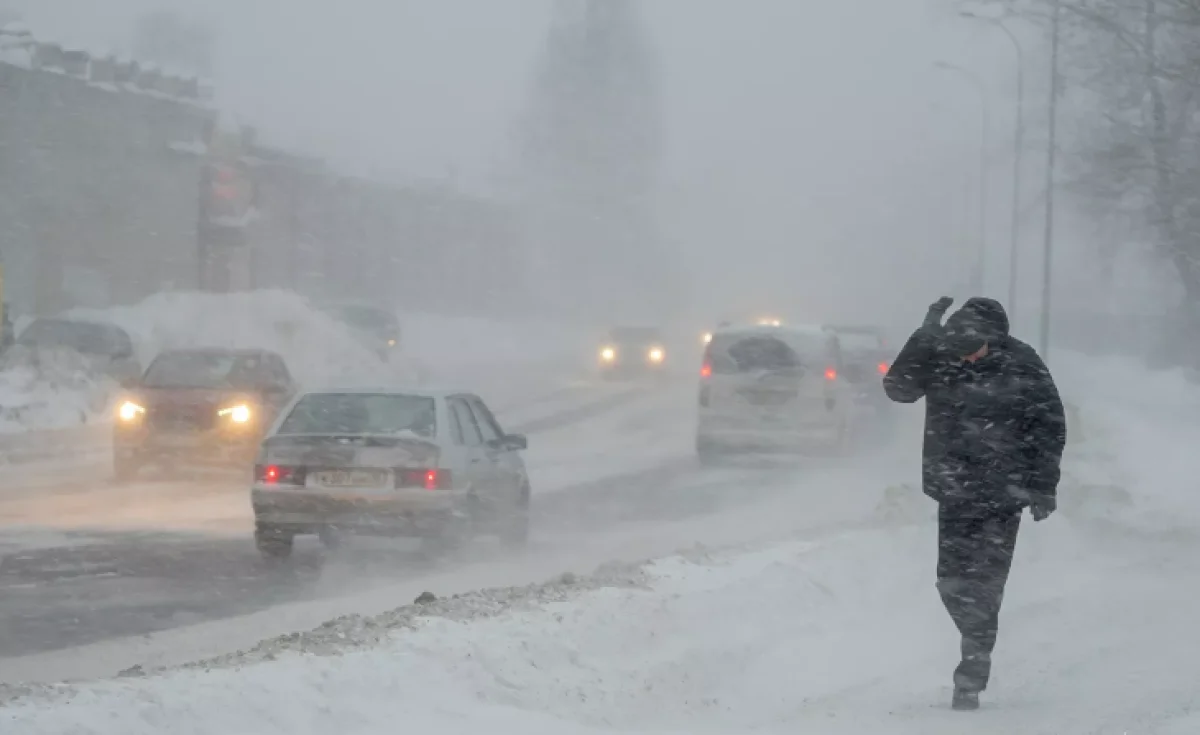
column 633, row 352
column 207, row 406
column 433, row 465
column 766, row 389
column 376, row 328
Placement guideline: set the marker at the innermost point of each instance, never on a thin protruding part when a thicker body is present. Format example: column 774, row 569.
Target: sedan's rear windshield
column 752, row 353
column 362, row 413
column 206, row 370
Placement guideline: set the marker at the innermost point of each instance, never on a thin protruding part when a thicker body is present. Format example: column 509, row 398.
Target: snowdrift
column 318, row 349
column 1130, row 431
column 49, row 390
column 796, row 637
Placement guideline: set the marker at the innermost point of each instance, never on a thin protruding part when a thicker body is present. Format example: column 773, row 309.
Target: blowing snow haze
column 810, row 158
column 594, row 366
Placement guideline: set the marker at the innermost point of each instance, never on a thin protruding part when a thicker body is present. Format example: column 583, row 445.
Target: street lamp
column 1018, row 149
column 1048, row 234
column 977, row 278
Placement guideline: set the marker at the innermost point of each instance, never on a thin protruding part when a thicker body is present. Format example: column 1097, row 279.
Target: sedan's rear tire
column 273, row 543
column 515, row 531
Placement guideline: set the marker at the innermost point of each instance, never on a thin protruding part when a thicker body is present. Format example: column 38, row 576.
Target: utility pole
column 1051, row 150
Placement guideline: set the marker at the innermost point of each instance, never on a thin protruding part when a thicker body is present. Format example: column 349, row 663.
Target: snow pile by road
column 840, row 636
column 1128, row 456
column 317, row 348
column 50, row 390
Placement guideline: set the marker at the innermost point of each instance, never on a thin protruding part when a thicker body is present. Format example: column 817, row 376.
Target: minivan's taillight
column 706, row 370
column 830, row 374
column 430, row 479
column 273, row 474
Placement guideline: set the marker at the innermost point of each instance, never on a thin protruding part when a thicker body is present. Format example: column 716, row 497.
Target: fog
column 430, row 197
column 816, row 162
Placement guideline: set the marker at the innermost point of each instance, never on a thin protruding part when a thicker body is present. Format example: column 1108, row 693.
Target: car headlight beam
column 239, row 414
column 656, row 354
column 128, row 411
column 608, row 354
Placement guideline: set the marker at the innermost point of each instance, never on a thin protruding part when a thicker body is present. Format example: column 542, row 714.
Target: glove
column 931, row 328
column 1041, row 506
column 937, row 310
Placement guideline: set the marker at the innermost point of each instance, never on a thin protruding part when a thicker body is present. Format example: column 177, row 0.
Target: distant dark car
column 200, row 406
column 106, row 348
column 378, row 329
column 632, row 351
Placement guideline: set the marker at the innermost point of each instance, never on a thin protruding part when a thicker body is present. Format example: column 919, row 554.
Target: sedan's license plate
column 351, row 478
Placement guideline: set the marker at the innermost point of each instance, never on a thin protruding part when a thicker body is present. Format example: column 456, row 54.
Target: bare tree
column 1134, row 71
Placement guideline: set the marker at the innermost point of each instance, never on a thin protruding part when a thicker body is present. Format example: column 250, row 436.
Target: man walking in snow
column 994, row 437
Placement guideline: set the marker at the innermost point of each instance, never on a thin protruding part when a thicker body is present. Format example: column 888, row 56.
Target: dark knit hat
column 979, row 321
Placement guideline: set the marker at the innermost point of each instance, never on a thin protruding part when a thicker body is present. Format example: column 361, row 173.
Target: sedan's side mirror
column 515, row 442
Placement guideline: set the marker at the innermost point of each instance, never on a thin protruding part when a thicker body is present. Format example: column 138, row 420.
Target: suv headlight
column 238, row 414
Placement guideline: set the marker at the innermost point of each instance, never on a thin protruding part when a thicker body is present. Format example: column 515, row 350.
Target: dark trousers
column 975, row 551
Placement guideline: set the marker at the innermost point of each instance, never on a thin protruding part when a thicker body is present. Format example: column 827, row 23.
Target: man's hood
column 979, row 320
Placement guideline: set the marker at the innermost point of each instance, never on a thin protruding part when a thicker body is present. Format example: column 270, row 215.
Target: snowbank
column 781, row 638
column 50, row 394
column 317, row 348
column 1129, row 458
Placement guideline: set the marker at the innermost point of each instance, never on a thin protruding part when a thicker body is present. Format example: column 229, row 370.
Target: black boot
column 964, row 700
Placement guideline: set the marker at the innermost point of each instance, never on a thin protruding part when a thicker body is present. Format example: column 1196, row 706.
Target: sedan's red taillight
column 430, row 479
column 273, row 474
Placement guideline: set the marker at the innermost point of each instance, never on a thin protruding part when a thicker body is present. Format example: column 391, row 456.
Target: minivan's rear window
column 362, row 413
column 860, row 340
column 751, row 353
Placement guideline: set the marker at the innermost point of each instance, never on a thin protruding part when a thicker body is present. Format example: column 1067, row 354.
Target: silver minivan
column 773, row 389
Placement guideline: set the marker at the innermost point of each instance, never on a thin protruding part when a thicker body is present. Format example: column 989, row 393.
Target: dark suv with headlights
column 199, row 407
column 632, row 351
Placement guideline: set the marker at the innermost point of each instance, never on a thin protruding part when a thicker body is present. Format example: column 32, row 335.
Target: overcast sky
column 816, row 160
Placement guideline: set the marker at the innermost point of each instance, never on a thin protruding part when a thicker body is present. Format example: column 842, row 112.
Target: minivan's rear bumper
column 382, row 512
column 722, row 434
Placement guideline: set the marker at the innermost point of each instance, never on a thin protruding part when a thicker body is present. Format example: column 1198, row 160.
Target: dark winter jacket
column 994, row 429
